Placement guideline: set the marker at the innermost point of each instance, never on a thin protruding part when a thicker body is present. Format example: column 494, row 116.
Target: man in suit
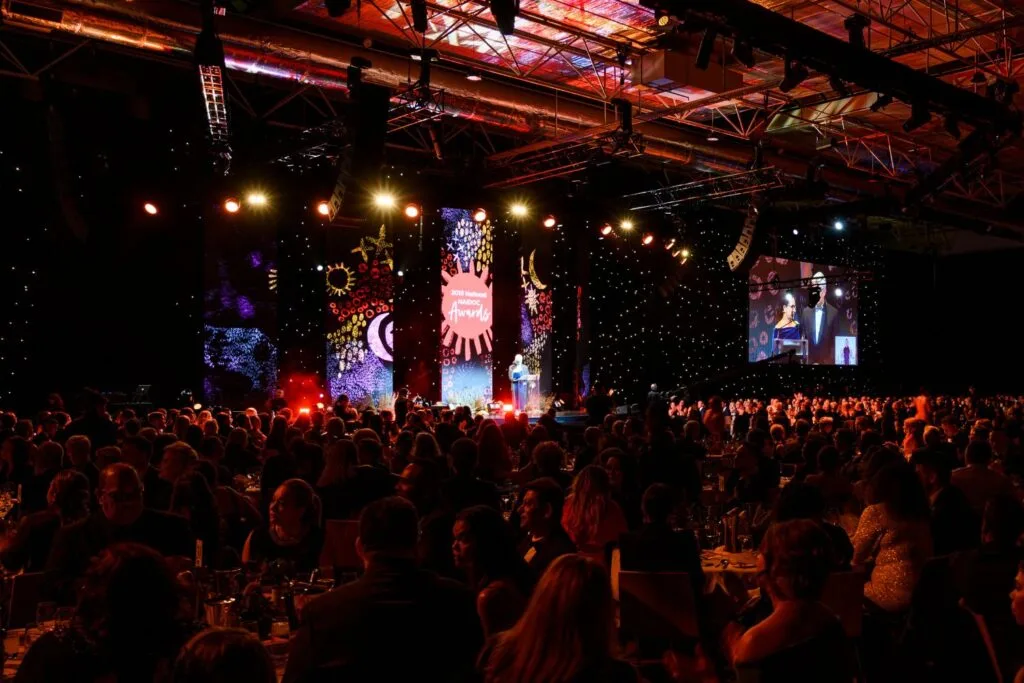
column 122, row 518
column 540, row 516
column 818, row 323
column 954, row 524
column 978, row 482
column 396, row 623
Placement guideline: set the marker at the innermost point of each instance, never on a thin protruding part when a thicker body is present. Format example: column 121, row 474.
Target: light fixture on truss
column 209, row 56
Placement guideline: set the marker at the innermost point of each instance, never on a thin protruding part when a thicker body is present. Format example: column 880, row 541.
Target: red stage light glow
column 648, row 239
column 508, row 407
column 323, row 208
column 412, row 211
column 303, row 411
column 607, row 229
column 479, row 215
column 232, row 205
column 550, row 222
column 150, row 208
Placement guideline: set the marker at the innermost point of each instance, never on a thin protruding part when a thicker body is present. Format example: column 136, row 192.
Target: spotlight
column 664, row 19
column 855, row 25
column 519, row 210
column 743, row 52
column 881, row 102
column 256, row 199
column 952, row 126
column 607, row 229
column 197, row 406
column 384, row 200
column 419, row 15
column 669, row 243
column 626, row 224
column 232, row 205
column 150, row 208
column 839, row 293
column 713, row 137
column 795, row 231
column 479, row 215
column 704, row 50
column 319, row 406
column 685, row 253
column 839, row 225
column 400, row 273
column 919, row 115
column 837, row 84
column 474, row 76
column 412, row 211
column 549, row 222
column 319, row 269
column 794, row 75
column 505, row 12
column 648, row 239
column 323, row 208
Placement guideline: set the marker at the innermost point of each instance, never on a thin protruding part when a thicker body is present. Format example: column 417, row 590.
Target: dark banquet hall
column 511, row 341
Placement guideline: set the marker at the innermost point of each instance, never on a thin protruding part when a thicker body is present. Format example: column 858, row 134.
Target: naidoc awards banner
column 466, row 309
column 360, row 297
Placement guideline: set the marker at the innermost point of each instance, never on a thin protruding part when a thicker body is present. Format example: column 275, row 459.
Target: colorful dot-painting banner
column 466, row 309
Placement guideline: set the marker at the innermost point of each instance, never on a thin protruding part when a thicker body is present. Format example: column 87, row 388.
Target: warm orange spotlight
column 648, row 239
column 479, row 215
column 323, row 208
column 549, row 222
column 412, row 211
column 607, row 229
column 304, row 411
column 150, row 208
column 232, row 205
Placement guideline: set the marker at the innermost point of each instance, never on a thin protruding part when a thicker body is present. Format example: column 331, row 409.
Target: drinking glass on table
column 746, row 542
column 46, row 616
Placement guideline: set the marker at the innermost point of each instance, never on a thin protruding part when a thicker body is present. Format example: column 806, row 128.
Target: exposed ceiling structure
column 586, row 80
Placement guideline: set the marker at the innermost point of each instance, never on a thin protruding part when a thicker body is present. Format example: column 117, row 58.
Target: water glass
column 46, row 616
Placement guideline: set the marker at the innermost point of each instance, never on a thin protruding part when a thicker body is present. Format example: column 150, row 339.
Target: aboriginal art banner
column 240, row 355
column 466, row 309
column 535, row 316
column 360, row 297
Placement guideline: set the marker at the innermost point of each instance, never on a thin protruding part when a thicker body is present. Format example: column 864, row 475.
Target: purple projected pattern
column 238, row 360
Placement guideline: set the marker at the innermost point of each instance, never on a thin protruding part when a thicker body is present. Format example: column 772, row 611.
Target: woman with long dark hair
column 567, row 633
column 485, row 550
column 293, row 532
column 224, row 655
column 129, row 624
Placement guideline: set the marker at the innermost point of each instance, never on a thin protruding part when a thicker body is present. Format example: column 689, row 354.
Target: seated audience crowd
column 417, row 543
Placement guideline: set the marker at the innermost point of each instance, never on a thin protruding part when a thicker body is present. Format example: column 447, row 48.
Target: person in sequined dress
column 893, row 538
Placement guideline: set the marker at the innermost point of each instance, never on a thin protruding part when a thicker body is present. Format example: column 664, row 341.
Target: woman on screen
column 788, row 327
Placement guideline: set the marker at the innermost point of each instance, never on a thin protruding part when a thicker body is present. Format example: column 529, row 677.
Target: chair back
column 658, row 605
column 26, row 593
column 986, row 638
column 844, row 595
column 340, row 544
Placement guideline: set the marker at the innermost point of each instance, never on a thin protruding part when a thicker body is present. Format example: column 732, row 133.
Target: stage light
column 669, row 243
column 323, row 208
column 384, row 200
column 839, row 293
column 919, row 115
column 881, row 102
column 837, row 84
column 648, row 239
column 952, row 126
column 419, row 15
column 412, row 211
column 256, row 199
column 232, row 205
column 505, row 12
column 479, row 215
column 794, row 75
column 150, row 208
column 400, row 273
column 507, row 407
column 839, row 225
column 197, row 406
column 607, row 229
column 519, row 210
column 549, row 222
column 795, row 231
column 664, row 18
column 704, row 50
column 319, row 269
column 685, row 253
column 743, row 52
column 474, row 76
column 303, row 411
column 319, row 406
column 855, row 25
column 626, row 224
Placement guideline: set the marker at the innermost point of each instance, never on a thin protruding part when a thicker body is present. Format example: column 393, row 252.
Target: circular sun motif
column 340, row 279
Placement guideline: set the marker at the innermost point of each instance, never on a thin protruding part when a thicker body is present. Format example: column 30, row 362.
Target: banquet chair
column 26, row 593
column 339, row 549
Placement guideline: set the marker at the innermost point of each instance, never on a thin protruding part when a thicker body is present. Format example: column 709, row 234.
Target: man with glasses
column 121, row 518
